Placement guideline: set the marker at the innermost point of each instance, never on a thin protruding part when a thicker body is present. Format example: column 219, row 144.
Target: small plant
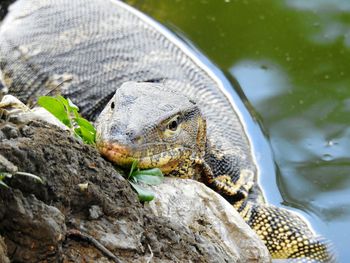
column 152, row 176
column 4, row 175
column 66, row 112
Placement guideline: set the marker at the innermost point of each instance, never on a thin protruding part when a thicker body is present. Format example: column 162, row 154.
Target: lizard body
column 182, row 120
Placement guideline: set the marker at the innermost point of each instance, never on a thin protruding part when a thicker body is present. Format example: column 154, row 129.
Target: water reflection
column 334, row 19
column 292, row 59
column 262, row 80
column 324, row 6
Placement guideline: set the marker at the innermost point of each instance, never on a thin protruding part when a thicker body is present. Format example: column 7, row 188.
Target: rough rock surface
column 61, row 219
column 3, row 252
column 209, row 215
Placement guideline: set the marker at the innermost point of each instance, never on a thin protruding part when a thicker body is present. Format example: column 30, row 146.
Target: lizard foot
column 237, row 190
column 223, row 184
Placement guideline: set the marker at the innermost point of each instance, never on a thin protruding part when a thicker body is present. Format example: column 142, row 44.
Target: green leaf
column 56, row 107
column 71, row 108
column 63, row 101
column 67, row 112
column 133, row 167
column 72, row 105
column 4, row 175
column 143, row 194
column 85, row 124
column 85, row 135
column 3, row 184
column 151, row 176
column 86, row 130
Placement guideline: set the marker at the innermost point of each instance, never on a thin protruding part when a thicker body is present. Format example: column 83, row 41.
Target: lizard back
column 89, row 48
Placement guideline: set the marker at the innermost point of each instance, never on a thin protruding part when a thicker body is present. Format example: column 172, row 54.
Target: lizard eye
column 112, row 105
column 173, row 125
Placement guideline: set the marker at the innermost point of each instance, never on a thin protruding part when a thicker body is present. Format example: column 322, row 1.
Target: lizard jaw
column 167, row 159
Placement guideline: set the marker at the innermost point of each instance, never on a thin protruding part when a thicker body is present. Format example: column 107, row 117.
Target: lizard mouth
column 163, row 156
column 118, row 154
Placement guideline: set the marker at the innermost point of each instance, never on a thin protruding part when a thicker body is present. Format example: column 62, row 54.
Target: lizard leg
column 286, row 235
column 233, row 190
column 230, row 173
column 237, row 189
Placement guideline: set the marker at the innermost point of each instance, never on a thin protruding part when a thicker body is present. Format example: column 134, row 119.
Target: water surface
column 292, row 60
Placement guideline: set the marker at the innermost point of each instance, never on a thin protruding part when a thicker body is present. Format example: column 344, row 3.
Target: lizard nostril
column 115, row 129
column 133, row 137
column 130, row 134
column 138, row 139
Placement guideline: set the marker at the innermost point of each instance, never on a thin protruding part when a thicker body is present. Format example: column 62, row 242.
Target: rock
column 16, row 111
column 86, row 211
column 63, row 163
column 209, row 216
column 3, row 252
column 33, row 229
column 95, row 212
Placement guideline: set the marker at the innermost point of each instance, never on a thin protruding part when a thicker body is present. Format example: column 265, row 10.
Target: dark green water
column 292, row 60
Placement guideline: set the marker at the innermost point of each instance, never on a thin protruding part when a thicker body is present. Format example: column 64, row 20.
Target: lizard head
column 150, row 123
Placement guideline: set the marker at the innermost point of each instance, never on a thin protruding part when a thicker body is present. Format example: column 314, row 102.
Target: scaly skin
column 176, row 142
column 86, row 49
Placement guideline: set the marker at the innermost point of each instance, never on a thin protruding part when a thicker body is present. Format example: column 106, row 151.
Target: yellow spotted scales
column 177, row 143
column 188, row 125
